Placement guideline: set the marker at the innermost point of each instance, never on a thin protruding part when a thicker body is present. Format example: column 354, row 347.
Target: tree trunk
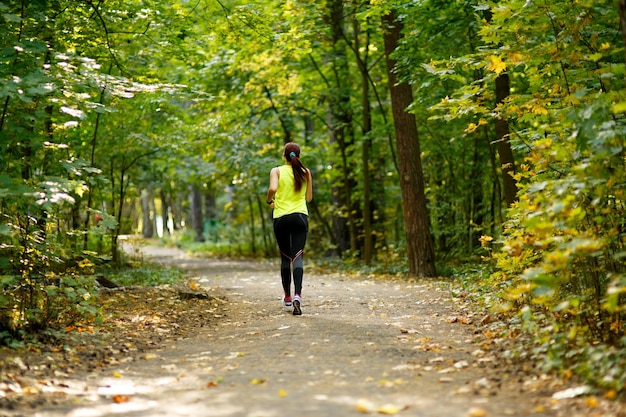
column 197, row 222
column 344, row 223
column 252, row 225
column 147, row 214
column 622, row 23
column 178, row 209
column 420, row 251
column 165, row 212
column 367, row 252
column 507, row 162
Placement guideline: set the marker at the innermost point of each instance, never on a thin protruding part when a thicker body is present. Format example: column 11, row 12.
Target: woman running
column 291, row 187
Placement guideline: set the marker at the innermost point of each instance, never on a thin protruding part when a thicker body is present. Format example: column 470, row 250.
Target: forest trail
column 361, row 346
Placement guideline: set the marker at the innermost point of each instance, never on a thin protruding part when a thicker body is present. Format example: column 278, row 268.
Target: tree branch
column 106, row 34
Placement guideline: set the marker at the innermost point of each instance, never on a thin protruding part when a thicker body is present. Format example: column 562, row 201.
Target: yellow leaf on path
column 257, row 381
column 117, row 375
column 592, row 402
column 364, row 406
column 389, row 409
column 476, row 412
column 30, row 390
column 282, row 393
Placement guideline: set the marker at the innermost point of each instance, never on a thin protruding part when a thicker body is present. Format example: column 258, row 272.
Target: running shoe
column 297, row 305
column 287, row 302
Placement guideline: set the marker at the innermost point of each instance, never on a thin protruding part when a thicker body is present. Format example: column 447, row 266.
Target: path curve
column 362, row 346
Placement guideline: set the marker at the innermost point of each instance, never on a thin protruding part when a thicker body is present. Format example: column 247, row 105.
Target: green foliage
column 561, row 260
column 29, row 306
column 147, row 275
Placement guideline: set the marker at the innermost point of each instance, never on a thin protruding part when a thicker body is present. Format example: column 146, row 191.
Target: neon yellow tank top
column 286, row 200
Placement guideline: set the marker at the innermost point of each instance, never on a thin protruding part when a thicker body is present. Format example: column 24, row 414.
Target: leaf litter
column 137, row 320
column 446, row 350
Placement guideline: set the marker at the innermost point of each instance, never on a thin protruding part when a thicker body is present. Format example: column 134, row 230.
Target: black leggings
column 291, row 232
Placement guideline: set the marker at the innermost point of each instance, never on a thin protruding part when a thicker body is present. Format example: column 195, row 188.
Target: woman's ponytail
column 292, row 154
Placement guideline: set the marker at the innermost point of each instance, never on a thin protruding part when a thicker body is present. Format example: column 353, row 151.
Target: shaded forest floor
column 224, row 346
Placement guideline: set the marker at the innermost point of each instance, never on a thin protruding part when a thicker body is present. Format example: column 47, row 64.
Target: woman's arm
column 309, row 186
column 271, row 191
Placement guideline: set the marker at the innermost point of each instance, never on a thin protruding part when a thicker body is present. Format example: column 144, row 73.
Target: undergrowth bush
column 147, row 275
column 31, row 307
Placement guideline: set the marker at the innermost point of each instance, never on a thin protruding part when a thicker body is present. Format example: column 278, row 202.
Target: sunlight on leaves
column 496, row 64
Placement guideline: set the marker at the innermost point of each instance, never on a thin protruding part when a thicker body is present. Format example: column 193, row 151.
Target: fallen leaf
column 592, row 402
column 461, row 365
column 118, row 399
column 257, row 381
column 30, row 390
column 389, row 409
column 211, row 384
column 364, row 406
column 476, row 412
column 482, row 383
column 282, row 393
column 571, row 392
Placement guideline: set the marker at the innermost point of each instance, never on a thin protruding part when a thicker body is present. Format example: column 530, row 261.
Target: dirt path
column 361, row 346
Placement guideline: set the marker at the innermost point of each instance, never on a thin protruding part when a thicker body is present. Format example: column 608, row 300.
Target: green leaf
column 9, row 17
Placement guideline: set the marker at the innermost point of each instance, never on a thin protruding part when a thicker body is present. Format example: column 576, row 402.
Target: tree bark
column 165, row 212
column 507, row 161
column 622, row 23
column 341, row 122
column 197, row 221
column 367, row 252
column 420, row 251
column 147, row 214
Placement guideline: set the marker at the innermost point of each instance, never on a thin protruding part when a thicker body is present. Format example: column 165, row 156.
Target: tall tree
column 341, row 128
column 421, row 256
column 622, row 23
